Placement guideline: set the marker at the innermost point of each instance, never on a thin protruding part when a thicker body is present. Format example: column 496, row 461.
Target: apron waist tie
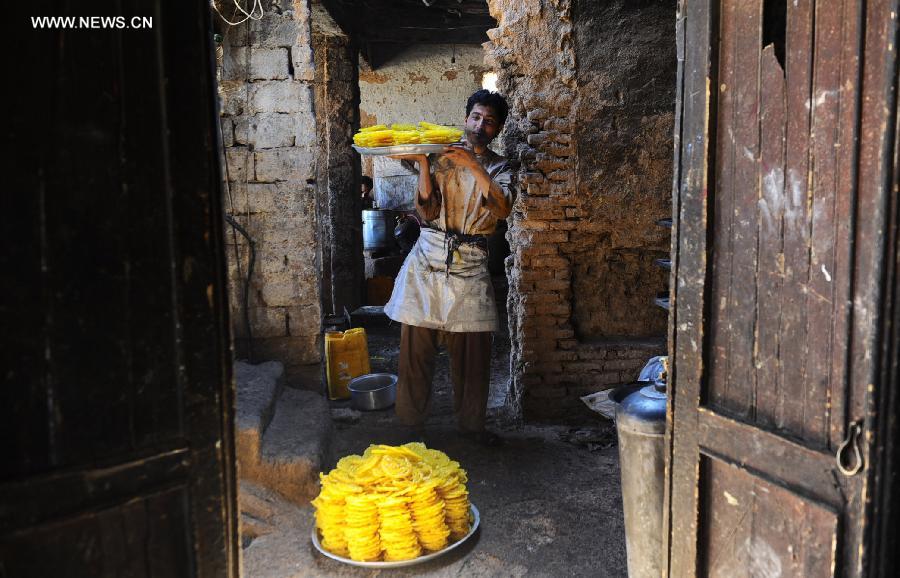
column 453, row 240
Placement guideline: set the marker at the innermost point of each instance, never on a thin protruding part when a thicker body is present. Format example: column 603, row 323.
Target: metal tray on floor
column 476, row 520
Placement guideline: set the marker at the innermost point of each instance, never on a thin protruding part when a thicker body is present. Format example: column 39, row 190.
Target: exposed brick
column 545, row 367
column 552, row 285
column 541, row 297
column 561, row 175
column 552, row 309
column 533, row 225
column 559, row 151
column 548, row 237
column 537, row 250
column 536, row 139
column 550, row 261
column 537, row 115
column 536, row 275
column 583, row 366
column 623, row 364
column 547, row 392
column 591, row 354
column 537, row 189
column 553, row 215
column 549, row 166
column 563, row 225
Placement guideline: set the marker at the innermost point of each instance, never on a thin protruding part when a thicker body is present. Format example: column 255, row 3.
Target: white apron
column 426, row 296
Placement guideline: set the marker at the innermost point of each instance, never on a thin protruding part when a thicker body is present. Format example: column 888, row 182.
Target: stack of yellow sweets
column 399, row 134
column 392, row 503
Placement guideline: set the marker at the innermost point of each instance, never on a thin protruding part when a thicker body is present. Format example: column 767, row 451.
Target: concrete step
column 296, row 445
column 283, row 434
column 258, row 388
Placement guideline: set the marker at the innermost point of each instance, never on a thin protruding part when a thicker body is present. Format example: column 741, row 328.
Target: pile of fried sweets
column 392, row 503
column 381, row 135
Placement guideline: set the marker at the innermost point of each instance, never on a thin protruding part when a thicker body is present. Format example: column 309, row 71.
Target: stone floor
column 549, row 498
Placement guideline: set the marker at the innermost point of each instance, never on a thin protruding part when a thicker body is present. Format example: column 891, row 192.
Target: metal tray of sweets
column 476, row 520
column 407, row 149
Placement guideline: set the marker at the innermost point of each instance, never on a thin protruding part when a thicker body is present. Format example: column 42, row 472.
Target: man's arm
column 496, row 197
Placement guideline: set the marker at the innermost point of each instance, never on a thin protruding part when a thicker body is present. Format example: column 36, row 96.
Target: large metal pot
column 373, row 391
column 378, row 229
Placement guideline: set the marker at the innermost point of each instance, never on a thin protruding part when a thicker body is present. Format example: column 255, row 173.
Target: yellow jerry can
column 346, row 357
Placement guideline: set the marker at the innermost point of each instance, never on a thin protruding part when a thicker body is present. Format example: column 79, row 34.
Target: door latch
column 850, row 463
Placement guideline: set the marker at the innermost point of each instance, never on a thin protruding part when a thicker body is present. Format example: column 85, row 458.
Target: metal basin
column 373, row 391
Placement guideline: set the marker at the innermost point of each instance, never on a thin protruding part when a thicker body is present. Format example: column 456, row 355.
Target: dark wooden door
column 115, row 408
column 781, row 210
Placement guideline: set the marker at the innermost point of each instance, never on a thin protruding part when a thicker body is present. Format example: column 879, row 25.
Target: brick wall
column 269, row 135
column 555, row 229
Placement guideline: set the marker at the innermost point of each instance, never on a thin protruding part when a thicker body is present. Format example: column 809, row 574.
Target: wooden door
column 781, row 209
column 116, row 403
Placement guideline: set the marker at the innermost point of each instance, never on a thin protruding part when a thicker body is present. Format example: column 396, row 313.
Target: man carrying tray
column 443, row 293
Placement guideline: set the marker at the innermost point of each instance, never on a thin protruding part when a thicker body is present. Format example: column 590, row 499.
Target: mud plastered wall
column 269, row 135
column 428, row 82
column 589, row 151
column 625, row 77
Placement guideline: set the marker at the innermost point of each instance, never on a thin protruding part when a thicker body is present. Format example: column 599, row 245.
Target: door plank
column 724, row 517
column 798, row 48
column 822, row 280
column 701, row 26
column 154, row 531
column 81, row 490
column 848, row 113
column 741, row 378
column 723, row 208
column 157, row 418
column 798, row 467
column 771, row 243
column 749, row 520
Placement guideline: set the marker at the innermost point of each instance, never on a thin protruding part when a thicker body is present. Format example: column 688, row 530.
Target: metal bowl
column 373, row 391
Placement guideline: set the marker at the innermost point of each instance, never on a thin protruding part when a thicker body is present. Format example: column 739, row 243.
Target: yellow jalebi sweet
column 392, row 503
column 381, row 135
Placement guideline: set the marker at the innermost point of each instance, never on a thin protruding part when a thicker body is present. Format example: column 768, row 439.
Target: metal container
column 373, row 391
column 378, row 229
column 641, row 425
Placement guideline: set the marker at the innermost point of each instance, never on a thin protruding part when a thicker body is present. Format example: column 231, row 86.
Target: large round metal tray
column 407, row 149
column 476, row 519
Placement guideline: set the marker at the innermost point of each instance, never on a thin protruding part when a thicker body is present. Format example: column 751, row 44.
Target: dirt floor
column 549, row 497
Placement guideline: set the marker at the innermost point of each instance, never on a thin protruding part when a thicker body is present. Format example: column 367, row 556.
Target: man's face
column 482, row 125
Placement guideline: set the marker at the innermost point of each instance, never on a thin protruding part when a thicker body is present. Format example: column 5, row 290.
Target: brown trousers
column 470, row 371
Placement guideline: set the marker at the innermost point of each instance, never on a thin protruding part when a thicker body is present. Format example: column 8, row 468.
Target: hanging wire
column 238, row 8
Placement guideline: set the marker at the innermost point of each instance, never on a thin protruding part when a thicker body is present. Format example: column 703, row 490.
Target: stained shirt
column 459, row 297
column 458, row 204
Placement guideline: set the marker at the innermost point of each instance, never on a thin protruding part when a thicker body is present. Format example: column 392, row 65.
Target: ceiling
column 383, row 28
